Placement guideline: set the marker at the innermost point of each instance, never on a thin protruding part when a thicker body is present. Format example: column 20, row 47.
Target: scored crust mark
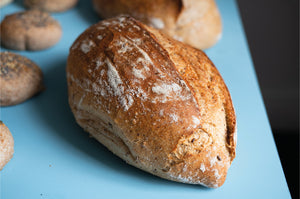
column 163, row 102
column 214, row 84
column 180, row 8
column 231, row 127
column 225, row 101
column 117, row 47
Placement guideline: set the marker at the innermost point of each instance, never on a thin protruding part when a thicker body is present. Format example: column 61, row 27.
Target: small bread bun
column 159, row 104
column 6, row 145
column 195, row 22
column 51, row 5
column 5, row 2
column 30, row 30
column 20, row 79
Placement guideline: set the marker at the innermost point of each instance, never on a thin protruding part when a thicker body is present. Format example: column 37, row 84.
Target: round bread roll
column 6, row 145
column 51, row 5
column 195, row 22
column 157, row 103
column 20, row 79
column 29, row 30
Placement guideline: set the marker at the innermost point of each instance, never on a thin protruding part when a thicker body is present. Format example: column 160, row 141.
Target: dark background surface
column 272, row 30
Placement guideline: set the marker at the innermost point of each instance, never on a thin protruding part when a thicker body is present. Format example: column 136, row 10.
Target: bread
column 29, row 30
column 6, row 145
column 20, row 79
column 51, row 5
column 157, row 103
column 195, row 22
column 5, row 2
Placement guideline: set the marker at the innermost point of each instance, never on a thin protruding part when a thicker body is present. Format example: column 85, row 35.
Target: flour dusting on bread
column 86, row 46
column 158, row 104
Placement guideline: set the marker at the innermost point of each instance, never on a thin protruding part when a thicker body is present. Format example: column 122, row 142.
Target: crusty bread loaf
column 195, row 22
column 157, row 103
column 6, row 145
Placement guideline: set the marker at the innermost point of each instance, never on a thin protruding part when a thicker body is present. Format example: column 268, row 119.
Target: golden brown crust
column 153, row 101
column 186, row 61
column 51, row 5
column 6, row 145
column 195, row 22
column 29, row 30
column 20, row 79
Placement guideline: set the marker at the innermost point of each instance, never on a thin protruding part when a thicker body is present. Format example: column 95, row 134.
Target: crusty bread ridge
column 195, row 22
column 160, row 105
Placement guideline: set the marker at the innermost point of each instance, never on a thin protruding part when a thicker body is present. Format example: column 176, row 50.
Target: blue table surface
column 54, row 158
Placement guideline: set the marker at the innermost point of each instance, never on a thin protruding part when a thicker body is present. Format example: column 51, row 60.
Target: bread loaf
column 157, row 103
column 195, row 22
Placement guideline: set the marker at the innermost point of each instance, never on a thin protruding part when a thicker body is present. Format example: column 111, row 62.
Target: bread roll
column 51, row 5
column 20, row 79
column 29, row 30
column 6, row 145
column 195, row 22
column 157, row 103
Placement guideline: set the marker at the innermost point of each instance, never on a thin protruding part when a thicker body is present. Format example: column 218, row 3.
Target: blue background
column 55, row 158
